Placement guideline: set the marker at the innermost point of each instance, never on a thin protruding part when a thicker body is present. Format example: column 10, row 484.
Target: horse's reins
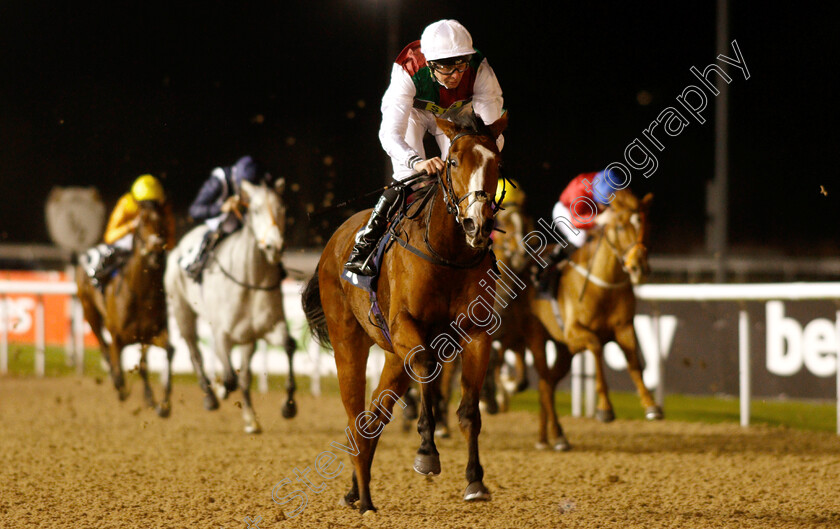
column 229, row 275
column 452, row 207
column 619, row 256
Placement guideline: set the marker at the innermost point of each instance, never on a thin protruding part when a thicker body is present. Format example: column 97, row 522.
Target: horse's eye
column 453, row 162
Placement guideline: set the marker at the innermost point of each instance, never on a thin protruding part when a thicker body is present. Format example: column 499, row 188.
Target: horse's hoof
column 562, row 445
column 368, row 512
column 211, row 402
column 289, row 409
column 123, row 394
column 605, row 415
column 654, row 413
column 442, row 432
column 476, row 491
column 541, row 446
column 253, row 428
column 427, row 465
column 163, row 410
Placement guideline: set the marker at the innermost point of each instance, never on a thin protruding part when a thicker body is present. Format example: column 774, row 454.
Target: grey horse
column 240, row 297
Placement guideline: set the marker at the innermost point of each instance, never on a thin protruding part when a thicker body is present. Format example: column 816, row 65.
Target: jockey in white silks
column 439, row 73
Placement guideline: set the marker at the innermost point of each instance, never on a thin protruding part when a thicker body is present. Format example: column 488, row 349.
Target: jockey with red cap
column 431, row 77
column 587, row 195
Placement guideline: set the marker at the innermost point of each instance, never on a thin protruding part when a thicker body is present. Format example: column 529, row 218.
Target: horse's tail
column 311, row 300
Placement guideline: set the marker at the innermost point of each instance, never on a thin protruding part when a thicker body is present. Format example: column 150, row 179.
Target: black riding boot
column 211, row 237
column 559, row 254
column 361, row 258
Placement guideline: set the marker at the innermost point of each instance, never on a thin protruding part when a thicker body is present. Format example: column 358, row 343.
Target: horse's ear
column 499, row 125
column 646, row 202
column 447, row 127
column 280, row 185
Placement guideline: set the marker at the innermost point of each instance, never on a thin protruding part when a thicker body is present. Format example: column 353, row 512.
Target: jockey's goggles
column 449, row 69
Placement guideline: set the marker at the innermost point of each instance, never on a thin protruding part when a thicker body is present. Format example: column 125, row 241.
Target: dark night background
column 97, row 93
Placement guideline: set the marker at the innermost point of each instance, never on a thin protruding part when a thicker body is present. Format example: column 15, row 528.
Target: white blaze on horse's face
column 478, row 219
column 266, row 219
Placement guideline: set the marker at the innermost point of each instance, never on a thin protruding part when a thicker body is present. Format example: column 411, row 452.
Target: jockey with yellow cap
column 431, row 77
column 107, row 257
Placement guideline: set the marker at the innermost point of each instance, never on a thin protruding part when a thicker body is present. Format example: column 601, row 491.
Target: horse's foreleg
column 290, row 407
column 473, row 370
column 143, row 367
column 165, row 406
column 626, row 338
column 248, row 415
column 114, row 353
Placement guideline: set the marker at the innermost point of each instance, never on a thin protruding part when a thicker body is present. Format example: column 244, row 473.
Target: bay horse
column 240, row 296
column 595, row 301
column 133, row 306
column 426, row 285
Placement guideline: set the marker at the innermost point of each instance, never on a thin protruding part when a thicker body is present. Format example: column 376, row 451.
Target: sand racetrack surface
column 72, row 456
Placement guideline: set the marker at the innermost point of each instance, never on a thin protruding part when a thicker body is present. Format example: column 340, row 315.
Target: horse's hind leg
column 186, row 321
column 248, row 415
column 427, row 461
column 547, row 383
column 222, row 344
column 143, row 367
column 290, row 407
column 626, row 339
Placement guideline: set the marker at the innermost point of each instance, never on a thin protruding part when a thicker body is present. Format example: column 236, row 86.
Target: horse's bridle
column 451, row 200
column 620, row 256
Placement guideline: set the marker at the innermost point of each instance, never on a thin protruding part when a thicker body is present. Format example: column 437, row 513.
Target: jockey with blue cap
column 587, row 195
column 218, row 205
column 430, row 78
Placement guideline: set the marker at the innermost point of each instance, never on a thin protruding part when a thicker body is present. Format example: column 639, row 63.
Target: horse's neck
column 598, row 254
column 138, row 274
column 247, row 262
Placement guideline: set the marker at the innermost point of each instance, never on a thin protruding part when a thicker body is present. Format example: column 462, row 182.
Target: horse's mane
column 466, row 119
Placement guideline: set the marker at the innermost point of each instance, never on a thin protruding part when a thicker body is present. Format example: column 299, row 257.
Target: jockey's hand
column 430, row 166
column 232, row 203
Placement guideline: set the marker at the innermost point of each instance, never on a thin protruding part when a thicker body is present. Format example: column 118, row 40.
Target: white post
column 315, row 377
column 660, row 360
column 589, row 382
column 744, row 364
column 79, row 335
column 262, row 376
column 837, row 332
column 4, row 334
column 40, row 361
column 577, row 386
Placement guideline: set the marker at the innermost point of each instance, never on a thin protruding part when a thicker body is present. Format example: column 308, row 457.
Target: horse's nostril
column 469, row 226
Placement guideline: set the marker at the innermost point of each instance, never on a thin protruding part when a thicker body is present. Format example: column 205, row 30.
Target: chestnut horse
column 596, row 304
column 423, row 293
column 133, row 306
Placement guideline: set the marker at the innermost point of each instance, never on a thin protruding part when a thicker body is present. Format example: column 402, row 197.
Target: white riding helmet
column 445, row 39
